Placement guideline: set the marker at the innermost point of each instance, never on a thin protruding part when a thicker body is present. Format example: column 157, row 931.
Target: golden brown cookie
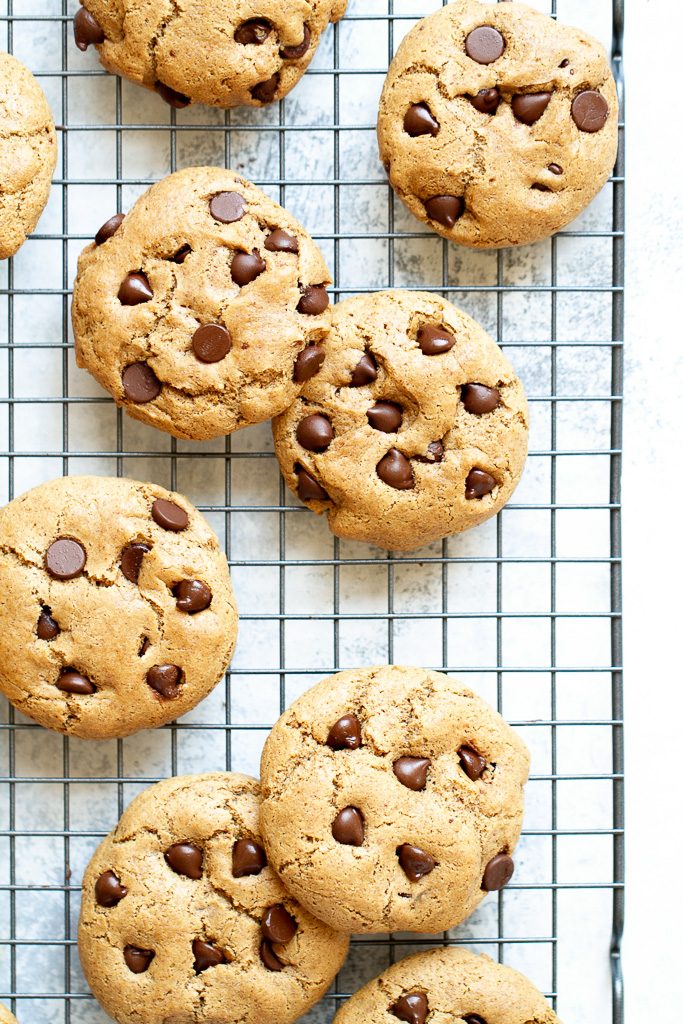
column 116, row 606
column 415, row 428
column 6, row 1017
column 183, row 920
column 203, row 309
column 28, row 153
column 226, row 53
column 448, row 985
column 497, row 124
column 392, row 800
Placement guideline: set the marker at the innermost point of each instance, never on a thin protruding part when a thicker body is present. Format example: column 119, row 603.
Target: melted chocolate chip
column 528, row 108
column 445, row 210
column 315, row 433
column 165, row 680
column 192, row 596
column 227, row 207
column 395, row 470
column 135, row 289
column 281, row 241
column 498, row 872
column 308, row 362
column 71, row 681
column 138, row 960
column 47, row 628
column 144, row 647
column 385, row 416
column 140, row 383
column 473, row 1018
column 248, row 858
column 590, row 111
column 345, row 734
column 265, row 92
column 268, row 958
column 471, row 762
column 185, row 859
column 412, row 1008
column 278, row 925
column 348, row 828
column 175, row 99
column 65, row 558
column 365, row 371
column 87, row 29
column 478, row 398
column 411, row 772
column 298, row 51
column 486, row 101
column 131, row 560
column 206, row 955
column 307, row 487
column 314, row 300
column 211, row 343
column 108, row 890
column 555, row 169
column 109, row 228
column 246, row 267
column 415, row 862
column 435, row 452
column 169, row 516
column 478, row 484
column 253, row 32
column 182, row 254
column 434, row 341
column 484, row 44
column 419, row 120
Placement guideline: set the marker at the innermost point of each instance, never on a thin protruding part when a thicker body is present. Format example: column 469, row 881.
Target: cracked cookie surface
column 182, row 919
column 391, row 797
column 116, row 604
column 28, row 153
column 203, row 309
column 226, row 54
column 497, row 124
column 415, row 427
column 448, row 985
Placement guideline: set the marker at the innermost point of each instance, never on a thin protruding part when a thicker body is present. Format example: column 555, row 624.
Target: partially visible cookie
column 250, row 52
column 28, row 153
column 392, row 800
column 415, row 427
column 497, row 124
column 183, row 920
column 204, row 309
column 6, row 1017
column 444, row 985
column 116, row 608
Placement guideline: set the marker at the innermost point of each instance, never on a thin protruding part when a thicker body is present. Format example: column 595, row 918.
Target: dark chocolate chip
column 109, row 228
column 298, row 51
column 307, row 487
column 135, row 289
column 246, row 267
column 345, row 734
column 528, row 107
column 47, row 628
column 278, row 925
column 419, row 120
column 71, row 681
column 435, row 452
column 169, row 516
column 348, row 827
column 538, row 187
column 564, row 63
column 65, row 558
column 227, row 207
column 471, row 762
column 385, row 416
column 185, row 859
column 281, row 241
column 140, row 383
column 590, row 110
column 268, row 958
column 206, row 955
column 415, row 862
column 365, row 371
column 192, row 596
column 265, row 92
column 182, row 254
column 478, row 398
column 131, row 560
column 486, row 101
column 87, row 29
column 138, row 960
column 412, row 1008
column 144, row 647
column 253, row 32
column 411, row 772
column 478, row 484
column 434, row 341
column 308, row 362
column 498, row 872
column 108, row 889
column 248, row 858
column 211, row 343
column 395, row 470
column 165, row 680
column 445, row 210
column 175, row 99
column 314, row 300
column 555, row 169
column 485, row 44
column 315, row 433
column 473, row 1018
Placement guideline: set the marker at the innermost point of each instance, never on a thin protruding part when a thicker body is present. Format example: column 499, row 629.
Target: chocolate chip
column 65, row 558
column 278, row 925
column 281, row 241
column 415, row 862
column 169, row 516
column 248, row 858
column 365, row 371
column 71, row 681
column 192, row 596
column 131, row 560
column 185, row 859
column 478, row 398
column 140, row 383
column 471, row 762
column 484, row 44
column 144, row 647
column 227, row 207
column 253, row 32
column 486, row 101
column 307, row 487
column 138, row 960
column 412, row 1008
column 345, row 734
column 308, row 363
column 165, row 680
column 108, row 889
column 435, row 452
column 268, row 957
column 473, row 1018
column 498, row 872
column 529, row 107
column 206, row 955
column 564, row 63
column 246, row 267
column 87, row 29
column 47, row 628
column 434, row 341
column 589, row 111
column 555, row 169
column 297, row 52
column 175, row 99
column 411, row 772
column 315, row 433
column 265, row 92
column 478, row 484
column 385, row 416
column 211, row 343
column 539, row 187
column 314, row 300
column 182, row 254
column 109, row 228
column 134, row 289
column 445, row 209
column 418, row 120
column 348, row 827
column 395, row 470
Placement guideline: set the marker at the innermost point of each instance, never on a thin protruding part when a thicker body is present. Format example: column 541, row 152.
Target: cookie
column 249, row 52
column 6, row 1017
column 204, row 308
column 392, row 800
column 183, row 920
column 116, row 608
column 415, row 428
column 448, row 985
column 28, row 153
column 497, row 124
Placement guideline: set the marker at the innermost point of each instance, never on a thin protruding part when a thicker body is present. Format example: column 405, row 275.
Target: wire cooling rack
column 527, row 608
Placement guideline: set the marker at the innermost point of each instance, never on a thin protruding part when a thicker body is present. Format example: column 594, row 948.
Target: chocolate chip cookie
column 392, row 800
column 183, row 920
column 414, row 428
column 238, row 52
column 497, row 124
column 449, row 984
column 6, row 1017
column 116, row 606
column 28, row 153
column 204, row 309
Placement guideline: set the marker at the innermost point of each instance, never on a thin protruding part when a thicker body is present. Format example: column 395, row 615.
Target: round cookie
column 415, row 428
column 448, row 984
column 28, row 153
column 116, row 607
column 183, row 920
column 6, row 1017
column 392, row 800
column 497, row 124
column 202, row 311
column 224, row 54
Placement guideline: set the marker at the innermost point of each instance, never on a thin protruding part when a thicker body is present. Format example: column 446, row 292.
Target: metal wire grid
column 49, row 780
